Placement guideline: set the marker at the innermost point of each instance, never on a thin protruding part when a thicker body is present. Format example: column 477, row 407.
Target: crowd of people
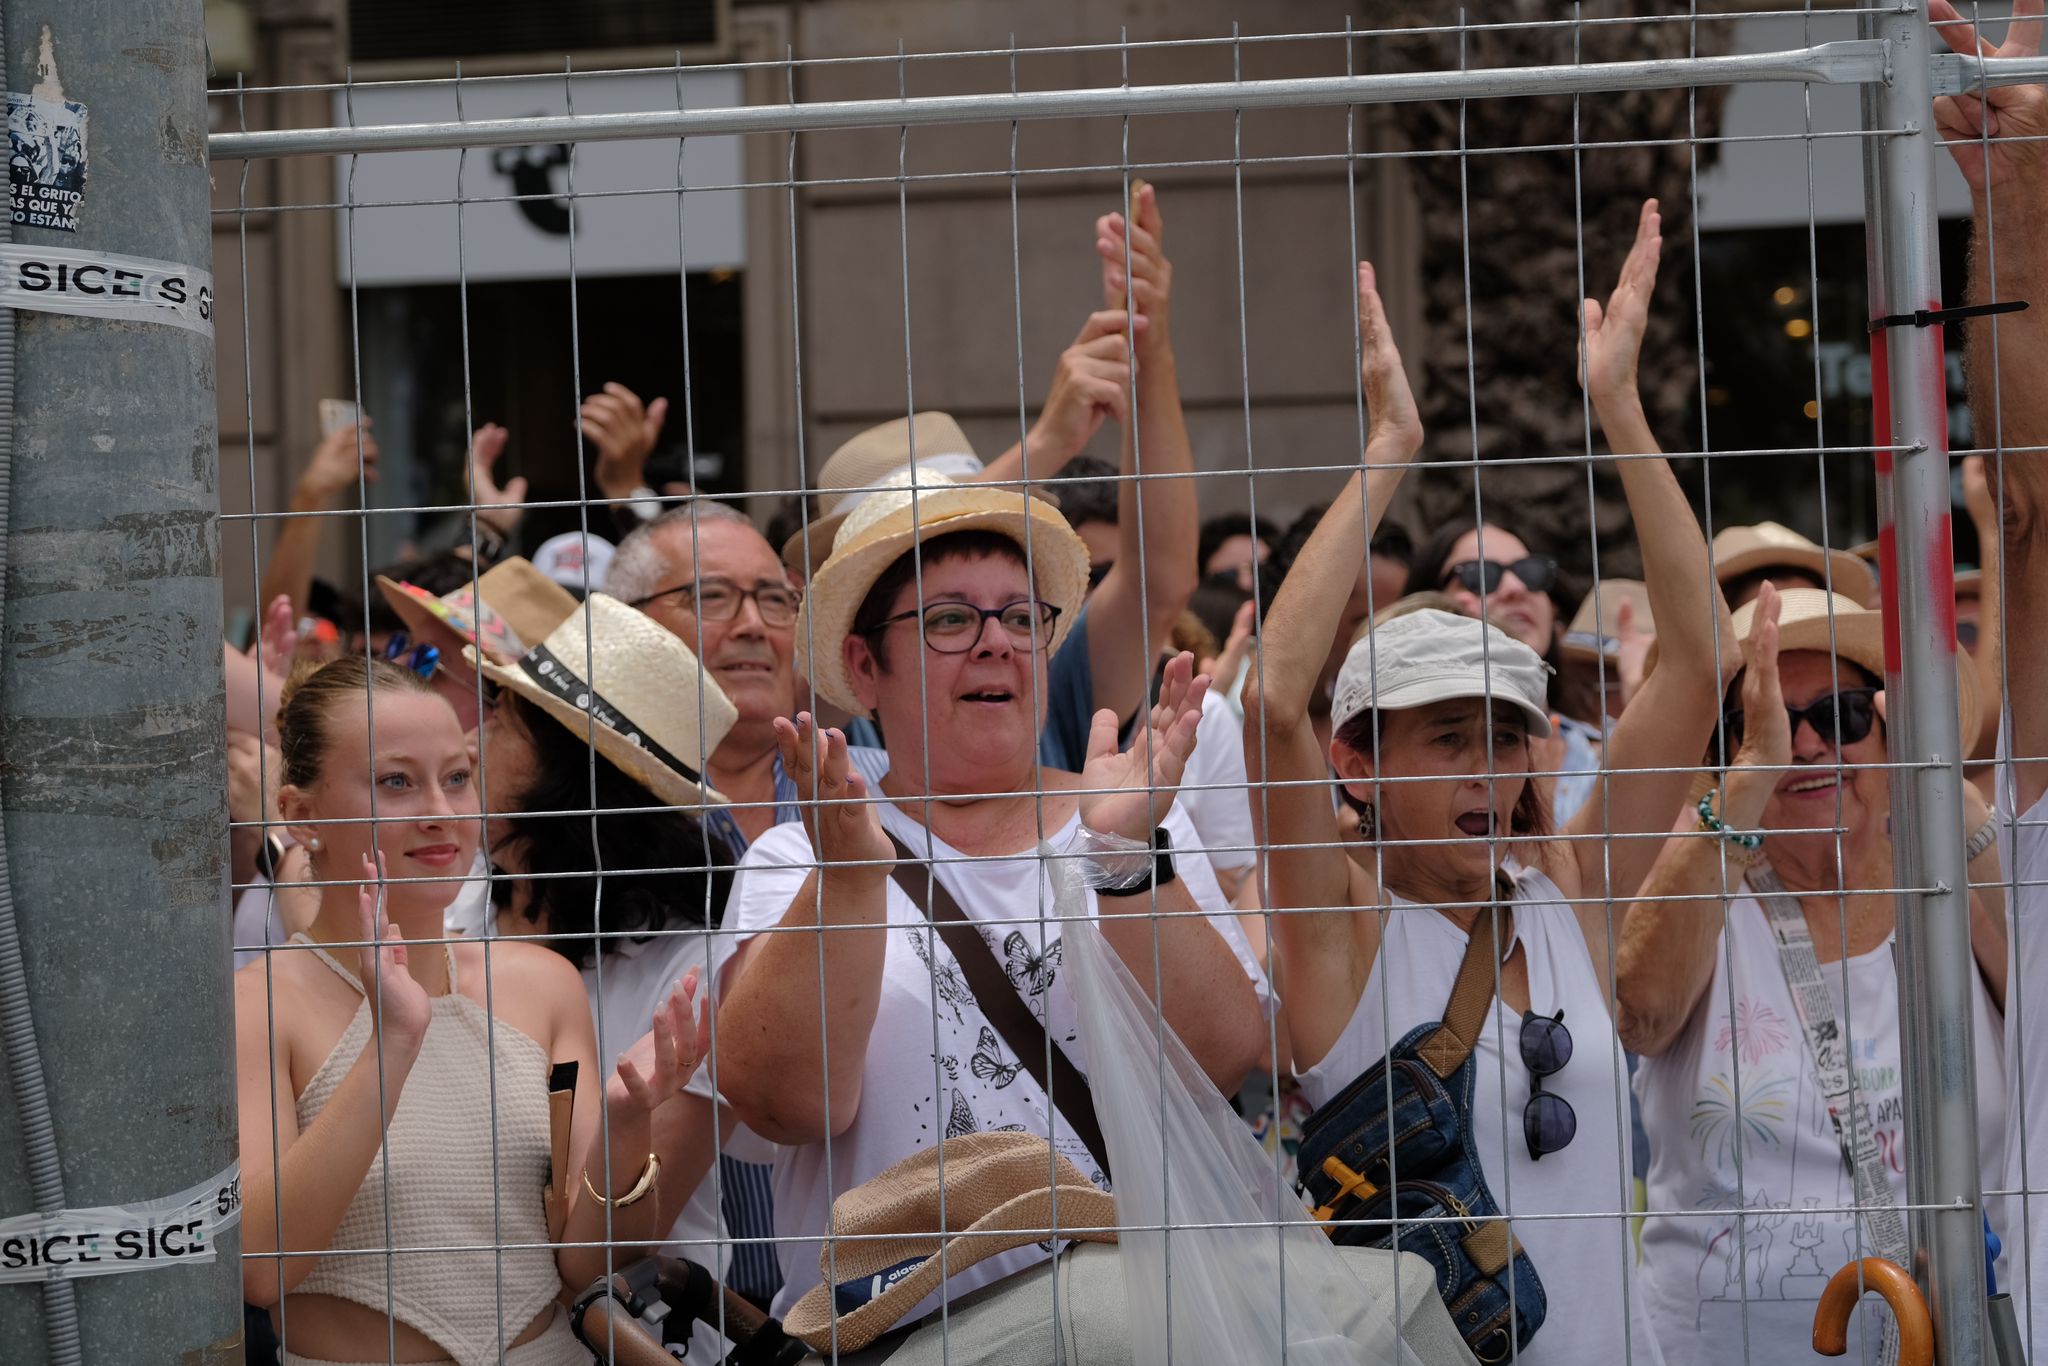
column 663, row 888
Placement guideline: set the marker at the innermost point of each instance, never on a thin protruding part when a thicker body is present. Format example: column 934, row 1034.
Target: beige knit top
column 446, row 1191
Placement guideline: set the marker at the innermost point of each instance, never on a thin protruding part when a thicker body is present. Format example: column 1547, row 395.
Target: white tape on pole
column 178, row 1230
column 96, row 284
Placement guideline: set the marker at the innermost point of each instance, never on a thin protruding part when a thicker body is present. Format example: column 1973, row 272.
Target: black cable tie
column 1930, row 317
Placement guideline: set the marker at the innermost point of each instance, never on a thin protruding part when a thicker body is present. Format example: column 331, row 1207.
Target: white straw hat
column 1432, row 656
column 1740, row 550
column 632, row 686
column 931, row 441
column 885, row 526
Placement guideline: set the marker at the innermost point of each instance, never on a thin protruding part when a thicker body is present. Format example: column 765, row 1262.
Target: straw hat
column 645, row 702
column 891, row 1236
column 887, row 524
column 1590, row 642
column 858, row 467
column 519, row 604
column 1740, row 550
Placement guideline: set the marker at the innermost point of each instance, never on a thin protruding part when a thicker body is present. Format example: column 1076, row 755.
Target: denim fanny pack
column 1390, row 1162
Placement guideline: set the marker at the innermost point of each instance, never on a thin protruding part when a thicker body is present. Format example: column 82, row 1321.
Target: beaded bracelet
column 1747, row 839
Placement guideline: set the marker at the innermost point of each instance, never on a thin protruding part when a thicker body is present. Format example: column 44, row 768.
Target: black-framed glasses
column 1537, row 573
column 420, row 659
column 720, row 599
column 1548, row 1121
column 1854, row 708
column 952, row 628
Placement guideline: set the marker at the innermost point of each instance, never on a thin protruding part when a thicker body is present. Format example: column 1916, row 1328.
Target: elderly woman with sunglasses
column 1434, row 716
column 1782, row 886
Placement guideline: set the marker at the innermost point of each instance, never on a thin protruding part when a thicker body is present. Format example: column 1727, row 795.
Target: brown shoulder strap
column 1471, row 994
column 1001, row 1006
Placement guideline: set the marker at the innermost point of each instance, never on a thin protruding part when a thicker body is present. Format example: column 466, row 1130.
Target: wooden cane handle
column 1831, row 1316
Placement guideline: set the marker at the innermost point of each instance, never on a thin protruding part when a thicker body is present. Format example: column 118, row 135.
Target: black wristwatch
column 1162, row 868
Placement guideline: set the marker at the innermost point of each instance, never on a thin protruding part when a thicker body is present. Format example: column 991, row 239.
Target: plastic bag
column 1208, row 1289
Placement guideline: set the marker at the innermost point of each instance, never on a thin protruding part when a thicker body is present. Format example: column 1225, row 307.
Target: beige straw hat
column 1740, row 550
column 933, row 441
column 1589, row 641
column 519, row 604
column 890, row 1236
column 884, row 526
column 634, row 688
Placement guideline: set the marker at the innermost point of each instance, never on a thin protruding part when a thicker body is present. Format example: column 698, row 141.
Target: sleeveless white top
column 447, row 1188
column 1715, row 1282
column 1596, row 1311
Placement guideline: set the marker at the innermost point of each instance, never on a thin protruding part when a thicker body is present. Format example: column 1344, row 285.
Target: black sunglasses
column 1854, row 708
column 1537, row 573
column 1548, row 1121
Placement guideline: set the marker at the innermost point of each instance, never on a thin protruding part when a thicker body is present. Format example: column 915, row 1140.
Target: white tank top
column 1595, row 1308
column 1710, row 1281
column 446, row 1189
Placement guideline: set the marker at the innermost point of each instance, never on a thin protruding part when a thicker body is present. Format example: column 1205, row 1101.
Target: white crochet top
column 446, row 1190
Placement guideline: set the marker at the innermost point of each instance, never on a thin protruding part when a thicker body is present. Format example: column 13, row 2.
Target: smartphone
column 336, row 414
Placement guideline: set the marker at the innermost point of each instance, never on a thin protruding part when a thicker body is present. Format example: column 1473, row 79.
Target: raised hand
column 332, row 470
column 1148, row 285
column 666, row 1057
column 1091, row 384
column 1243, row 637
column 400, row 1008
column 1612, row 339
column 1766, row 726
column 1132, row 789
column 274, row 655
column 1394, row 430
column 841, row 835
column 624, row 432
column 497, row 508
column 2006, row 111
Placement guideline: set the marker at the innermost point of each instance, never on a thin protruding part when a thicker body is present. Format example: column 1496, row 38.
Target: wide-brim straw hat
column 888, row 1236
column 1594, row 636
column 932, row 441
column 887, row 525
column 633, row 688
column 1740, row 550
column 501, row 610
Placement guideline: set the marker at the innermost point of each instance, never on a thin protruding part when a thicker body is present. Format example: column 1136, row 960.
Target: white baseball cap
column 1432, row 656
column 577, row 560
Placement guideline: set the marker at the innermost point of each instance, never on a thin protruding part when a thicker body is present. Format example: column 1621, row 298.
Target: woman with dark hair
column 1434, row 718
column 596, row 836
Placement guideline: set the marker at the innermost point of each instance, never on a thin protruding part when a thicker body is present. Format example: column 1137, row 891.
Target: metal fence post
column 112, row 772
column 1918, row 568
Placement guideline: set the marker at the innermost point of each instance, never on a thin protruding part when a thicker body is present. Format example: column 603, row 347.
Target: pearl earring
column 314, row 844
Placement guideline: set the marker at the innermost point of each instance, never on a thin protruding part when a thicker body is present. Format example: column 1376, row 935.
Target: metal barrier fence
column 1899, row 66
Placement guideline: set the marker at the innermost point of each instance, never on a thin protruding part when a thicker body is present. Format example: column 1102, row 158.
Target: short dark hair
column 565, row 856
column 1093, row 497
column 1392, row 542
column 1221, row 528
column 902, row 572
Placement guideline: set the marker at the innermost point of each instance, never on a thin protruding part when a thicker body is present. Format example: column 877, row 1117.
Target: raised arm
column 1325, row 952
column 792, row 1078
column 1131, row 614
column 1090, row 384
column 1667, row 724
column 2009, row 406
column 1665, row 961
column 341, row 457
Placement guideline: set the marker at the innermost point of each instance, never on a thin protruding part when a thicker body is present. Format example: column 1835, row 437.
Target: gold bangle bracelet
column 649, row 1174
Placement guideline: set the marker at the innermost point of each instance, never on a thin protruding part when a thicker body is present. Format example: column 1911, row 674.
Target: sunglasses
column 1548, row 1121
column 1537, row 573
column 1853, row 709
column 420, row 659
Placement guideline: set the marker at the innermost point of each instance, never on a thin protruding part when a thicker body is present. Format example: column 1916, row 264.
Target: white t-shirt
column 914, row 1094
column 1215, row 791
column 1713, row 1280
column 1583, row 1263
column 2025, row 1228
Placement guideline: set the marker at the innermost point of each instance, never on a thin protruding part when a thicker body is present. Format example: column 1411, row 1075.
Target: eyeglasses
column 720, row 599
column 952, row 628
column 1548, row 1121
column 1854, row 708
column 421, row 659
column 1537, row 573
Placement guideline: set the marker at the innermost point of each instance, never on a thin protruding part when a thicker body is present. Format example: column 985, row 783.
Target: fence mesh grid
column 1739, row 1092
